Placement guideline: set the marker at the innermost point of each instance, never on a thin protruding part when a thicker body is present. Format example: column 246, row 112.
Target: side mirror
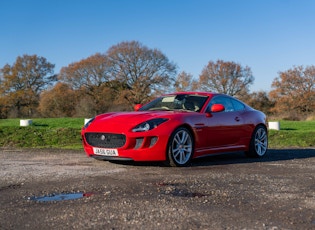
column 217, row 108
column 137, row 107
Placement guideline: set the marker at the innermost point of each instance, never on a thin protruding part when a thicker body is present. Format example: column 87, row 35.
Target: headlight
column 88, row 123
column 148, row 125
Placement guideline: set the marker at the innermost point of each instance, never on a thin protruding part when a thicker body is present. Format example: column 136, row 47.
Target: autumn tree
column 226, row 77
column 128, row 72
column 185, row 82
column 59, row 101
column 23, row 82
column 258, row 100
column 87, row 73
column 144, row 71
column 92, row 80
column 294, row 90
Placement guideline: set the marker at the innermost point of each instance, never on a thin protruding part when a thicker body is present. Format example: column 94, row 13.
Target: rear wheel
column 258, row 143
column 180, row 147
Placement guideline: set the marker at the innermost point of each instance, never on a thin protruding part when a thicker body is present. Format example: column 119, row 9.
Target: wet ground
column 61, row 189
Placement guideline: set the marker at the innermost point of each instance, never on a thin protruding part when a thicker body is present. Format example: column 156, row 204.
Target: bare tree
column 144, row 71
column 185, row 82
column 91, row 78
column 226, row 77
column 87, row 73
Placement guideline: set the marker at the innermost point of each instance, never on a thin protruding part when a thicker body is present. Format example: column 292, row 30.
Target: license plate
column 105, row 152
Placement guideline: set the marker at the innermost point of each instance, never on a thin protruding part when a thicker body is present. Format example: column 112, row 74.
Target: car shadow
column 272, row 155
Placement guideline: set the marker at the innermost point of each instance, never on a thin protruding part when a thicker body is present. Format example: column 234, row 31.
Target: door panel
column 224, row 129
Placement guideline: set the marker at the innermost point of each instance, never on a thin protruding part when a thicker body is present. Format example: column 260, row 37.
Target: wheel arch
column 169, row 161
column 261, row 124
column 251, row 151
column 255, row 127
column 190, row 129
column 192, row 132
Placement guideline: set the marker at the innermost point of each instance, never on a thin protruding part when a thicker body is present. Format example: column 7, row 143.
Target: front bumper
column 142, row 146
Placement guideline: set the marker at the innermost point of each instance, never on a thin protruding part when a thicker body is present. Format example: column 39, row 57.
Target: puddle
column 60, row 196
column 185, row 193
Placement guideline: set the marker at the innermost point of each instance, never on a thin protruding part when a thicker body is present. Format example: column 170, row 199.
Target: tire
column 259, row 142
column 180, row 148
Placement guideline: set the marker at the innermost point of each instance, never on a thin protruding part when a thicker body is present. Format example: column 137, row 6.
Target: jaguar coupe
column 176, row 128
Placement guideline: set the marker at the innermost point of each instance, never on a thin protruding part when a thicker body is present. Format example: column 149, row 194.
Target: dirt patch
column 219, row 192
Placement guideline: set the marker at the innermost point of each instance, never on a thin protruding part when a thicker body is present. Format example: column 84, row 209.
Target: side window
column 221, row 100
column 238, row 106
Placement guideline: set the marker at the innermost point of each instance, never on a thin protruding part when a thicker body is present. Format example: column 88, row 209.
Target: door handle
column 237, row 119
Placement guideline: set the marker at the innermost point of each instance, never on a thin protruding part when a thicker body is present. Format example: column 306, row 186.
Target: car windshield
column 186, row 102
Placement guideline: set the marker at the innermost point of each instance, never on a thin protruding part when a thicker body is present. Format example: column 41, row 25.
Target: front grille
column 105, row 140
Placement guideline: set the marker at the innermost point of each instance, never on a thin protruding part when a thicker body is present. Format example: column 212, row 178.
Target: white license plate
column 105, row 152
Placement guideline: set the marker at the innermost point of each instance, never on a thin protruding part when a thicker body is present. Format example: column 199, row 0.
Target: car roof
column 196, row 93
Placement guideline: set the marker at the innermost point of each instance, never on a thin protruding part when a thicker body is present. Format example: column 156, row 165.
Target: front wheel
column 180, row 147
column 258, row 143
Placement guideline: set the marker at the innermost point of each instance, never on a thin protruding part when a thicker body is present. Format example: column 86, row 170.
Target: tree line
column 130, row 73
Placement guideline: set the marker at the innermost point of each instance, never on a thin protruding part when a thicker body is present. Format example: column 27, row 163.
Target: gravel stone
column 218, row 192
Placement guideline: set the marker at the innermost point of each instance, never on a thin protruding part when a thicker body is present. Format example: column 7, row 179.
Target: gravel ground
column 218, row 192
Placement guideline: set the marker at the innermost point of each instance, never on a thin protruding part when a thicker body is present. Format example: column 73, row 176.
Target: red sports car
column 176, row 128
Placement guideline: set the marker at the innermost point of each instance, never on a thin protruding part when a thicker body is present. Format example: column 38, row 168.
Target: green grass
column 46, row 122
column 65, row 133
column 43, row 133
column 293, row 134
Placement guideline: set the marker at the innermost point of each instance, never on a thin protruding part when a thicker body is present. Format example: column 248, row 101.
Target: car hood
column 132, row 117
column 129, row 119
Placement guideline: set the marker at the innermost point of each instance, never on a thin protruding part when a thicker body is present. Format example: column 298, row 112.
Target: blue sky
column 267, row 35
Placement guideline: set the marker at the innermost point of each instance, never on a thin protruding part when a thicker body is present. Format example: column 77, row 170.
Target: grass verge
column 293, row 134
column 43, row 133
column 65, row 133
